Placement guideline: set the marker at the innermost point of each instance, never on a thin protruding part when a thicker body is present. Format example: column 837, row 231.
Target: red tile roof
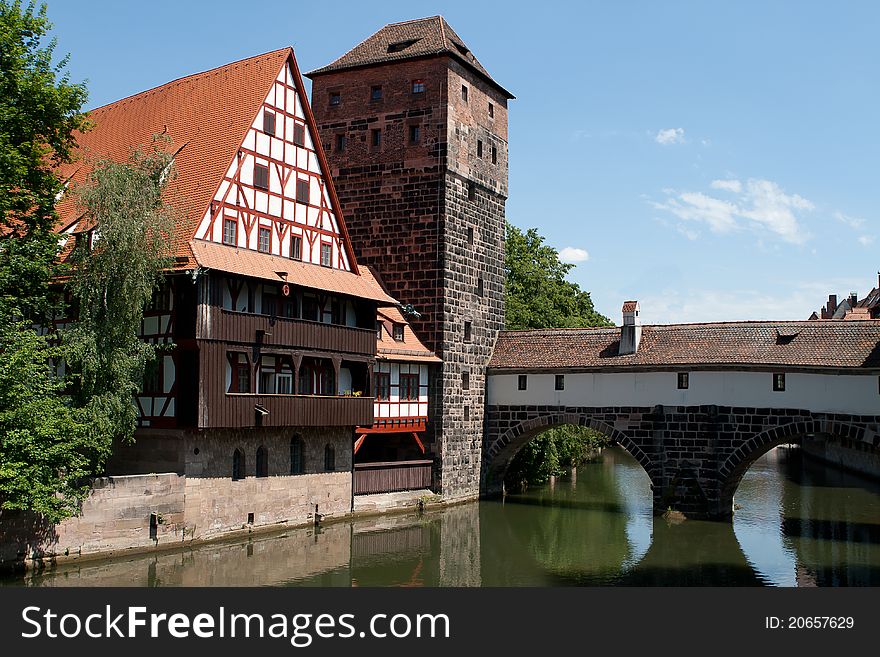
column 854, row 344
column 422, row 37
column 630, row 306
column 247, row 262
column 206, row 116
column 410, row 349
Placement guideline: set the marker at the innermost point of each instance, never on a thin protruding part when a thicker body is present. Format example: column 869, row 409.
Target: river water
column 797, row 523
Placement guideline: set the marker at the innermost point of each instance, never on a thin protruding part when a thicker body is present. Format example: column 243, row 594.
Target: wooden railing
column 240, row 410
column 247, row 328
column 391, row 476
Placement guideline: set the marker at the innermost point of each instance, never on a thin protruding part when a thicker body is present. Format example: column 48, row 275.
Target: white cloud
column 572, row 254
column 775, row 210
column 866, row 240
column 758, row 205
column 853, row 222
column 734, row 186
column 670, row 136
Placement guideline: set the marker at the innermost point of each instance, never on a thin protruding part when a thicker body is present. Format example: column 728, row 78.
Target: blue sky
column 714, row 161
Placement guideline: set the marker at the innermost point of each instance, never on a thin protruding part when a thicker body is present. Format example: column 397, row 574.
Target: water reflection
column 797, row 523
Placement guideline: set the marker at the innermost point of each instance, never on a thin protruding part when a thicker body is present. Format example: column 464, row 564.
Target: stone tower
column 416, row 133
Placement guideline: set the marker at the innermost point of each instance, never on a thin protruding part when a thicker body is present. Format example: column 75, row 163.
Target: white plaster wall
column 822, row 393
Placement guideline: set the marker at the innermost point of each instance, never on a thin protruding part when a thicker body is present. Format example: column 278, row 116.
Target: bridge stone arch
column 502, row 447
column 695, row 456
column 737, row 463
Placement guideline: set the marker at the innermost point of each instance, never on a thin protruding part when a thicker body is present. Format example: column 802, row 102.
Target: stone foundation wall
column 856, row 456
column 202, row 503
column 115, row 516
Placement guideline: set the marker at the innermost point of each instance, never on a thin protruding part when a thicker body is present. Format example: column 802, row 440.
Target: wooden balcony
column 246, row 328
column 240, row 410
column 391, row 476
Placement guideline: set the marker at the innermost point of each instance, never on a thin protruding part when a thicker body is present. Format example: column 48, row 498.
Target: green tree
column 45, row 445
column 539, row 296
column 116, row 267
column 40, row 110
column 48, row 447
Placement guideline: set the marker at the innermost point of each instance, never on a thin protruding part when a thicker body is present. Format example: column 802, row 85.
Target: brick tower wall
column 408, row 209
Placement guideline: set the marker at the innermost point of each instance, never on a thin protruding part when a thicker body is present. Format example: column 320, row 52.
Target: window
column 284, row 383
column 467, row 331
column 491, row 111
column 409, row 387
column 494, row 155
column 415, row 134
column 269, row 122
column 264, row 240
column 378, row 330
column 262, row 462
column 296, row 247
column 472, row 190
column 376, row 92
column 261, row 176
column 152, row 377
column 240, row 379
column 329, row 458
column 418, row 86
column 267, row 382
column 237, row 465
column 479, row 287
column 479, row 148
column 326, row 255
column 310, row 309
column 397, row 332
column 299, row 134
column 683, row 380
column 383, row 386
column 376, row 138
column 523, row 381
column 470, row 234
column 464, row 93
column 302, row 190
column 560, row 382
column 296, row 455
column 270, row 305
column 465, row 380
column 467, row 412
column 335, row 98
column 779, row 382
column 340, row 143
column 230, row 232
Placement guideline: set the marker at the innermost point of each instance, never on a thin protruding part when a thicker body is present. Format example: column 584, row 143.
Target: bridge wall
column 820, row 393
column 695, row 456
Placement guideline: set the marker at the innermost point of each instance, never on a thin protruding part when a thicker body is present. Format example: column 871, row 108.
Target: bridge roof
column 853, row 344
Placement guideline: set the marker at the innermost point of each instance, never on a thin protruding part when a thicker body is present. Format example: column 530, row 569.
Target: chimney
column 853, row 299
column 631, row 330
column 832, row 305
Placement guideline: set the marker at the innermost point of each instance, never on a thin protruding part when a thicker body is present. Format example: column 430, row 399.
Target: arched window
column 237, row 465
column 329, row 458
column 262, row 461
column 296, row 455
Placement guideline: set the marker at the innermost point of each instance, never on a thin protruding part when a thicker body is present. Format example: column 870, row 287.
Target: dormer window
column 378, row 330
column 397, row 332
column 269, row 122
column 399, row 46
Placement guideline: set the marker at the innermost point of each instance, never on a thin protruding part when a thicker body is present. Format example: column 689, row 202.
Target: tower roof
column 423, row 37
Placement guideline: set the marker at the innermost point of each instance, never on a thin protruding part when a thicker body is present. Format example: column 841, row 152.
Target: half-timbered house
column 390, row 455
column 272, row 322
